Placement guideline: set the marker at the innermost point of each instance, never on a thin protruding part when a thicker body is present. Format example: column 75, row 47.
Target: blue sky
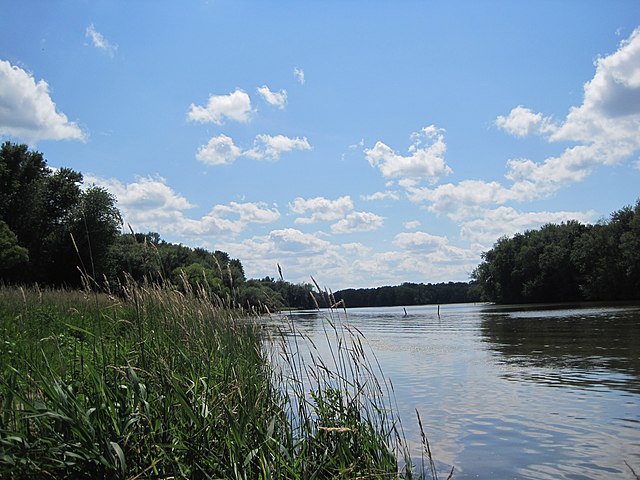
column 361, row 143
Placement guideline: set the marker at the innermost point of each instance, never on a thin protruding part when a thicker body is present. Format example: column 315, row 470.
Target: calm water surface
column 512, row 392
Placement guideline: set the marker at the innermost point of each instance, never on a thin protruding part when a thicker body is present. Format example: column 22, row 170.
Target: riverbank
column 161, row 384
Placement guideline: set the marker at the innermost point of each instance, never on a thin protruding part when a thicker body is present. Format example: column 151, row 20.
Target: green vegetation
column 52, row 229
column 409, row 294
column 42, row 213
column 141, row 361
column 164, row 384
column 566, row 262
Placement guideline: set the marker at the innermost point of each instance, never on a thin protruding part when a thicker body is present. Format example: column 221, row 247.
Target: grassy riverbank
column 161, row 384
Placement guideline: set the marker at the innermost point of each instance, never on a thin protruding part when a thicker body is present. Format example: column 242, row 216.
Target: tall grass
column 155, row 383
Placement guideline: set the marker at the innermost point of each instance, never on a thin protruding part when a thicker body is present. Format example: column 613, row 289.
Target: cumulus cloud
column 411, row 224
column 271, row 147
column 419, row 241
column 495, row 223
column 388, row 195
column 27, row 110
column 522, row 122
column 219, row 150
column 235, row 106
column 226, row 220
column 603, row 129
column 459, row 200
column 605, row 126
column 277, row 99
column 248, row 212
column 320, row 209
column 299, row 74
column 150, row 204
column 302, row 255
column 611, row 99
column 296, row 242
column 424, row 162
column 99, row 41
column 358, row 222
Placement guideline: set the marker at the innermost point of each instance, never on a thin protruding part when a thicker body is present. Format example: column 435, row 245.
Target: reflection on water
column 589, row 347
column 511, row 392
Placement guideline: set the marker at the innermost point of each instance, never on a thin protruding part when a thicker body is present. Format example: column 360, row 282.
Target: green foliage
column 276, row 294
column 407, row 294
column 197, row 278
column 162, row 384
column 566, row 262
column 45, row 209
column 11, row 254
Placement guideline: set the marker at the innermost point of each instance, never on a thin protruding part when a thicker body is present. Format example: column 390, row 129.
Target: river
column 526, row 392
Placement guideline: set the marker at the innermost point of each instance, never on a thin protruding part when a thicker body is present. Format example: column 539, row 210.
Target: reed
column 158, row 383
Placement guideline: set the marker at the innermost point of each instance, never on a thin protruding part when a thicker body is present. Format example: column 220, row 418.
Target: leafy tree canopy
column 566, row 262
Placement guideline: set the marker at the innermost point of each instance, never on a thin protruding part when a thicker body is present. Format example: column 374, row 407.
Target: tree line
column 408, row 294
column 566, row 262
column 55, row 233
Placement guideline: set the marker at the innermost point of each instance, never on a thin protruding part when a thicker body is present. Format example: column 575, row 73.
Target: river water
column 544, row 392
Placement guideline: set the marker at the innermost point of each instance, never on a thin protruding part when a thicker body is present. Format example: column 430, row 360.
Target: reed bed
column 157, row 383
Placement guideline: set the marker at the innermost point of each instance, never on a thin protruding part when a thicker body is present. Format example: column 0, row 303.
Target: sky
column 359, row 143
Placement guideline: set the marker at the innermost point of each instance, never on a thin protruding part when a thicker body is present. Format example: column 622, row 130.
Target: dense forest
column 409, row 294
column 54, row 232
column 566, row 262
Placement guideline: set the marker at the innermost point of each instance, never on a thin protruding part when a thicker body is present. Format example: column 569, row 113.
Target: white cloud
column 235, row 106
column 522, row 122
column 27, row 110
column 149, row 204
column 611, row 99
column 299, row 74
column 388, row 195
column 458, row 200
column 411, row 224
column 277, row 99
column 296, row 242
column 423, row 162
column 605, row 126
column 271, row 147
column 302, row 255
column 419, row 241
column 358, row 222
column 604, row 130
column 99, row 41
column 320, row 209
column 248, row 212
column 492, row 224
column 219, row 150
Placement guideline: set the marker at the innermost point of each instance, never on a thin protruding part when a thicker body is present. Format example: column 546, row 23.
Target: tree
column 95, row 223
column 566, row 262
column 12, row 255
column 199, row 278
column 47, row 211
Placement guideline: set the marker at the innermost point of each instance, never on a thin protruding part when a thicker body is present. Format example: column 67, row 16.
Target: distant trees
column 408, row 294
column 566, row 262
